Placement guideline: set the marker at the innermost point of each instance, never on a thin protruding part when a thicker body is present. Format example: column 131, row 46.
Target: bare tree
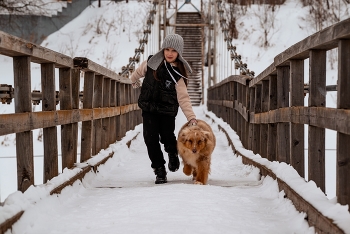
column 15, row 7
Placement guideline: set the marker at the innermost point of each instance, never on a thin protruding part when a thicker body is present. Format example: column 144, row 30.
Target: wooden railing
column 269, row 115
column 109, row 109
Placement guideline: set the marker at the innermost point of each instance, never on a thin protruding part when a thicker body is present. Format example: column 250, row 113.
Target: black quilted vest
column 159, row 96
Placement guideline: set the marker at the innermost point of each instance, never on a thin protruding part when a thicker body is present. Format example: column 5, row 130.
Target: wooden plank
column 14, row 46
column 241, row 79
column 343, row 140
column 50, row 133
column 20, row 122
column 24, row 140
column 10, row 222
column 297, row 147
column 86, row 64
column 325, row 39
column 67, row 141
column 270, row 70
column 317, row 98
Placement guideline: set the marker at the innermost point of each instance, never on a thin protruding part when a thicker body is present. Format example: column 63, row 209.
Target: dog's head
column 194, row 138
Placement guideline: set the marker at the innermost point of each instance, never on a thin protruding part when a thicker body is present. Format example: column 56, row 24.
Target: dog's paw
column 198, row 182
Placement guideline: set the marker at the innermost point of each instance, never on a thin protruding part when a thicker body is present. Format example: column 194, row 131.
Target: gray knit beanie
column 174, row 41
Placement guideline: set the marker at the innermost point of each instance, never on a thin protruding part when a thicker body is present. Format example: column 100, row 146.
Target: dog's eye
column 199, row 142
column 190, row 141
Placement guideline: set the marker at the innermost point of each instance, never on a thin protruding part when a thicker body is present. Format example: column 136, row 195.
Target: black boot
column 160, row 175
column 174, row 162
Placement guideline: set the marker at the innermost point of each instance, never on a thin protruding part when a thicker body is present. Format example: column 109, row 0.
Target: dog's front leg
column 187, row 169
column 202, row 172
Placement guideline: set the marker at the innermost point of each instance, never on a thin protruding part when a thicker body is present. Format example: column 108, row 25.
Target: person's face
column 170, row 54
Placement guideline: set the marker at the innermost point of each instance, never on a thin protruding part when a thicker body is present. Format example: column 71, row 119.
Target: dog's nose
column 194, row 151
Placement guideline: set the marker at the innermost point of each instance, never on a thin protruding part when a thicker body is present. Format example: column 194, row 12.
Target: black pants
column 159, row 129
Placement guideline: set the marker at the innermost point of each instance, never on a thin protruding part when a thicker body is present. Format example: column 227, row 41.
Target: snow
column 122, row 196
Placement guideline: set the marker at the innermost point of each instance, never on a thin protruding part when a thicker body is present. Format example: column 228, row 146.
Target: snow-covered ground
column 122, row 197
column 108, row 36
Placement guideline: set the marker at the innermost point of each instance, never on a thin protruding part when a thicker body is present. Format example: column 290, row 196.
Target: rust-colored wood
column 297, row 141
column 24, row 140
column 343, row 140
column 67, row 140
column 49, row 134
column 317, row 98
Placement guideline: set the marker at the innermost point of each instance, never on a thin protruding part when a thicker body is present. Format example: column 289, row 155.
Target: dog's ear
column 182, row 136
column 206, row 134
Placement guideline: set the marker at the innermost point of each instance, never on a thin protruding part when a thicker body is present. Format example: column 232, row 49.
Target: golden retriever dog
column 195, row 145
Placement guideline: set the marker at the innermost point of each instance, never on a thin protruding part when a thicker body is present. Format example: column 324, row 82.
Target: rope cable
column 234, row 56
column 143, row 42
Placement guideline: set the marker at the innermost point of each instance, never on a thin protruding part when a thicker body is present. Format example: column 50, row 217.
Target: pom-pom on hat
column 174, row 41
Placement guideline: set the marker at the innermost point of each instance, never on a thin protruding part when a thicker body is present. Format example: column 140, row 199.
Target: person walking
column 163, row 90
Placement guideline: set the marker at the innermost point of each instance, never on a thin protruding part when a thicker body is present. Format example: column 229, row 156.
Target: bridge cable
column 141, row 49
column 234, row 56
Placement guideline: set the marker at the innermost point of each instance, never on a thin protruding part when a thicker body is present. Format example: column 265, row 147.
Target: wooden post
column 239, row 117
column 234, row 99
column 75, row 105
column 246, row 103
column 264, row 108
column 297, row 147
column 283, row 137
column 123, row 102
column 119, row 101
column 113, row 104
column 86, row 131
column 343, row 140
column 317, row 98
column 257, row 109
column 67, row 141
column 272, row 127
column 251, row 130
column 24, row 140
column 97, row 123
column 49, row 134
column 105, row 138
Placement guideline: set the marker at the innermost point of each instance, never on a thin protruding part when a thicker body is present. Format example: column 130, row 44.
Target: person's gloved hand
column 136, row 84
column 192, row 122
